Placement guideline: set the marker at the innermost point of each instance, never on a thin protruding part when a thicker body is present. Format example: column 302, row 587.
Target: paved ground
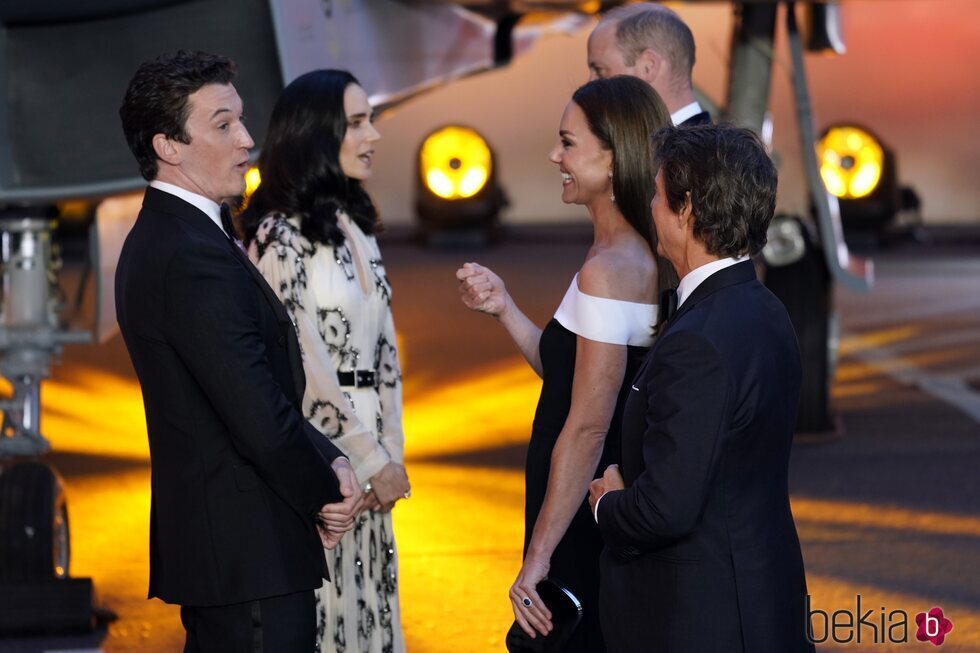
column 890, row 510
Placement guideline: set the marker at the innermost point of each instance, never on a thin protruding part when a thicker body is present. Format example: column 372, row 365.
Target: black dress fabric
column 575, row 562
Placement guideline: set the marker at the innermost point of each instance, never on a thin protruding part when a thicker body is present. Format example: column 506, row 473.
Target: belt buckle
column 363, row 379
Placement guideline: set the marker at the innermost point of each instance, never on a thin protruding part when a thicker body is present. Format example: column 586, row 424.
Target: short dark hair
column 300, row 161
column 623, row 112
column 651, row 25
column 156, row 100
column 729, row 180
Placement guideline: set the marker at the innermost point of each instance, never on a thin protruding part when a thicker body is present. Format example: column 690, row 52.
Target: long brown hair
column 623, row 112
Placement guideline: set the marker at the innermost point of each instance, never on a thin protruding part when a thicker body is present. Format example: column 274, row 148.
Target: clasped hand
column 611, row 480
column 335, row 519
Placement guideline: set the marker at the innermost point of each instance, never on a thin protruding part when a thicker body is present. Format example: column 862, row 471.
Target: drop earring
column 612, row 195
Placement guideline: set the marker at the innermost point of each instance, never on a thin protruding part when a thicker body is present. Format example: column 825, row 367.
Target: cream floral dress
column 340, row 301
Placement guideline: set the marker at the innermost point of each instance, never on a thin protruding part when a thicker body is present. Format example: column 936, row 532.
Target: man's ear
column 686, row 212
column 649, row 65
column 166, row 150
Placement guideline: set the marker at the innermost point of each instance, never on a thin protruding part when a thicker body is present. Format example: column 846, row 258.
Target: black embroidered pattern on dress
column 345, row 260
column 334, row 329
column 386, row 363
column 329, row 416
column 381, row 279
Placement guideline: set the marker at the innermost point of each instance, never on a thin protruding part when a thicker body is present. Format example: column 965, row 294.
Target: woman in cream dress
column 310, row 231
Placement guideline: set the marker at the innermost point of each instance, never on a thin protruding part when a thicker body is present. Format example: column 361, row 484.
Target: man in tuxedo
column 649, row 41
column 701, row 551
column 245, row 493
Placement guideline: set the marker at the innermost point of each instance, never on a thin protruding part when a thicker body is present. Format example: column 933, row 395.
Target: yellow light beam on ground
column 868, row 515
column 492, row 407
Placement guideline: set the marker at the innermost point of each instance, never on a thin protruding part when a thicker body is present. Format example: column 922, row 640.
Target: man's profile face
column 605, row 57
column 215, row 161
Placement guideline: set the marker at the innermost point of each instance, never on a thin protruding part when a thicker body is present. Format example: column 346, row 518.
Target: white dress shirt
column 209, row 207
column 696, row 277
column 685, row 112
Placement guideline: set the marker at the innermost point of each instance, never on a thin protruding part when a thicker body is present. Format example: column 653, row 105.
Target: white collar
column 684, row 113
column 695, row 277
column 209, row 207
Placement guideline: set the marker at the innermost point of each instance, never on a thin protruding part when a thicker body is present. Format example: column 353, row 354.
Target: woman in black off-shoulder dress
column 589, row 352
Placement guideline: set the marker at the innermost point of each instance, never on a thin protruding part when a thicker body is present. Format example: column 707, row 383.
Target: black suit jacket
column 701, row 552
column 237, row 473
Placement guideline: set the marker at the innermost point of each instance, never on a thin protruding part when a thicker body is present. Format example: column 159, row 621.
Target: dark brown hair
column 729, row 180
column 300, row 161
column 156, row 100
column 623, row 112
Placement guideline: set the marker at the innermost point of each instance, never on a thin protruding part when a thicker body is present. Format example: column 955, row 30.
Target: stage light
column 456, row 162
column 851, row 161
column 860, row 170
column 457, row 193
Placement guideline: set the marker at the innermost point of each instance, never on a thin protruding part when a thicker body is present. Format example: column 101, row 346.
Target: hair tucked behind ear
column 623, row 113
column 300, row 162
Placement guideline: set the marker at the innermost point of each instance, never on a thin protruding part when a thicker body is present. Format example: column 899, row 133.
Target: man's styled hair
column 623, row 113
column 729, row 180
column 650, row 25
column 156, row 100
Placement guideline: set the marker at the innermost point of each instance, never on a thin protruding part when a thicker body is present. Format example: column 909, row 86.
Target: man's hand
column 328, row 538
column 338, row 517
column 389, row 485
column 611, row 480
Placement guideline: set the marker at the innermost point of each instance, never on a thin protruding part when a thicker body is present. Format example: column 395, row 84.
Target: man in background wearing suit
column 241, row 483
column 649, row 41
column 702, row 554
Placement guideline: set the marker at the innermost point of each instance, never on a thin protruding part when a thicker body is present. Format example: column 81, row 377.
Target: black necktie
column 668, row 304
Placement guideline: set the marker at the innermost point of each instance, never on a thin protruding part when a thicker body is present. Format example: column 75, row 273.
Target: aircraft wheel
column 34, row 540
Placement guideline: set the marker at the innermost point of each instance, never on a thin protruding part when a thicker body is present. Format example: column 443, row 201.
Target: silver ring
column 408, row 495
column 527, row 602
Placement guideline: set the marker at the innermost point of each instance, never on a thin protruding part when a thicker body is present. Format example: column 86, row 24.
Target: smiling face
column 605, row 57
column 357, row 150
column 214, row 162
column 583, row 162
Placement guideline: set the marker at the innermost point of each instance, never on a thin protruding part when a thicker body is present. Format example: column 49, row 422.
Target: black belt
column 357, row 379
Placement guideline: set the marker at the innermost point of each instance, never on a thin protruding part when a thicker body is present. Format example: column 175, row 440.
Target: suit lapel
column 738, row 273
column 158, row 200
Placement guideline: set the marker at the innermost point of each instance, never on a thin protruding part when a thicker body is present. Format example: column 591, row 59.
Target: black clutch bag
column 566, row 612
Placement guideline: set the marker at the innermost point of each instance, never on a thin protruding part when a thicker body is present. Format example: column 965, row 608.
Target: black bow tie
column 226, row 221
column 668, row 304
column 229, row 228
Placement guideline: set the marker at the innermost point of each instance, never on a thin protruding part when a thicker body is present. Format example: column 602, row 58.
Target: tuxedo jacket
column 701, row 551
column 238, row 475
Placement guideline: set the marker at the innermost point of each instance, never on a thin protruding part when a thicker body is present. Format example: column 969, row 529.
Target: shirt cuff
column 595, row 511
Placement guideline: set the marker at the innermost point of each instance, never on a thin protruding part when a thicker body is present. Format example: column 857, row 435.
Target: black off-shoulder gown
column 575, row 562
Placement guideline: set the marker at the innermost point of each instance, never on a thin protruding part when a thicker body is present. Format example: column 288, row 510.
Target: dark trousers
column 285, row 624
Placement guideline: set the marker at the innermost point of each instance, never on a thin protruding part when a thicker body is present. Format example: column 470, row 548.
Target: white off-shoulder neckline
column 612, row 321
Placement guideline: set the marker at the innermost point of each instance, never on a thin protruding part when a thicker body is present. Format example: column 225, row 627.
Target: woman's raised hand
column 481, row 289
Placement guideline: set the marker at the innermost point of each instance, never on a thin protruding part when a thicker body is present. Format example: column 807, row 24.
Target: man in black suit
column 241, row 483
column 649, row 41
column 701, row 552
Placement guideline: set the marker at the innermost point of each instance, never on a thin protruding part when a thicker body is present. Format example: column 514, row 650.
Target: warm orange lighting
column 253, row 178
